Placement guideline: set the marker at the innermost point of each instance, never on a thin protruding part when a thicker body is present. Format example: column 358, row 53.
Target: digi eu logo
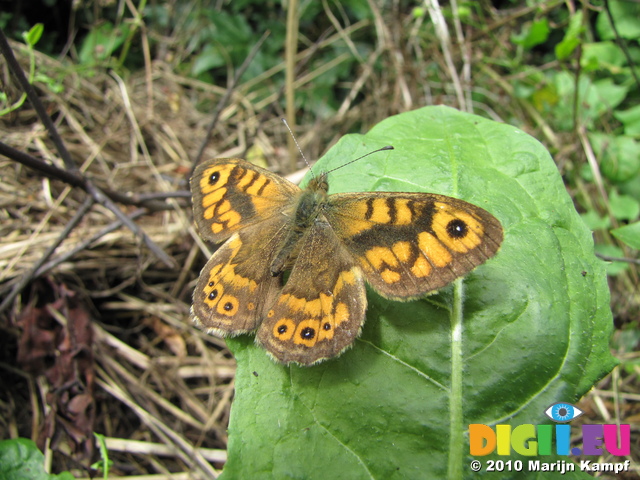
column 563, row 412
column 530, row 440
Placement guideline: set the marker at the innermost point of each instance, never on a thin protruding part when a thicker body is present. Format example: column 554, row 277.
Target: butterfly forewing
column 230, row 194
column 409, row 244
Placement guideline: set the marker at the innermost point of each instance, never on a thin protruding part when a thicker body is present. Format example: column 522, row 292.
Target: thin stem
column 456, row 428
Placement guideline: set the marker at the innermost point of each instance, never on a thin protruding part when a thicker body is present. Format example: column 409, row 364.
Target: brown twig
column 51, row 171
column 31, row 274
column 97, row 194
column 80, row 247
column 608, row 258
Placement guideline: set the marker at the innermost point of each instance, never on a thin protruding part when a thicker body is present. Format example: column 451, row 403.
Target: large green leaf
column 527, row 329
column 20, row 459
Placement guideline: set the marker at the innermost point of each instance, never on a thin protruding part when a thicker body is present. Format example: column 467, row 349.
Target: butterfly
column 404, row 245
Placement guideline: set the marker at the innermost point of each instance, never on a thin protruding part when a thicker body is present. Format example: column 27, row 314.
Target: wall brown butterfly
column 404, row 245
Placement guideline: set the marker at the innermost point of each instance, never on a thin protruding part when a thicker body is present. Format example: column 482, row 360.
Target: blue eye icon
column 563, row 412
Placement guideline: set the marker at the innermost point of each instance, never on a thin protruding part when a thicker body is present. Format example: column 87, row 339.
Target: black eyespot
column 457, row 228
column 213, row 295
column 327, row 326
column 214, row 177
column 307, row 333
column 282, row 329
column 228, row 306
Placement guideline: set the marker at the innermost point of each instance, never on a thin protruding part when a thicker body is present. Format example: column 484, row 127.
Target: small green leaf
column 618, row 156
column 595, row 98
column 626, row 340
column 418, row 12
column 624, row 207
column 101, row 42
column 533, row 330
column 630, row 118
column 34, row 34
column 534, row 34
column 210, row 57
column 104, row 464
column 605, row 95
column 594, row 221
column 572, row 38
column 602, row 56
column 629, row 235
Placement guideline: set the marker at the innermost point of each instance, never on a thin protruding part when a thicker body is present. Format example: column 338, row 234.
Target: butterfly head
column 319, row 184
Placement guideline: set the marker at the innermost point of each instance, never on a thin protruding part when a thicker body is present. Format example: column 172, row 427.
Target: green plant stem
column 456, row 430
column 136, row 24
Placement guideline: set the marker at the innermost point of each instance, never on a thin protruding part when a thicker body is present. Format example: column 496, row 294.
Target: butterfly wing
column 321, row 308
column 235, row 287
column 231, row 194
column 409, row 244
column 250, row 208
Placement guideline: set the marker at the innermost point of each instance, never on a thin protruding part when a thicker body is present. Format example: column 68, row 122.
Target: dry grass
column 162, row 390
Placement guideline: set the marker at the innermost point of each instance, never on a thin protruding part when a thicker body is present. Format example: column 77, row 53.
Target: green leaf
column 20, row 459
column 630, row 119
column 618, row 156
column 533, row 327
column 572, row 38
column 534, row 34
column 211, row 57
column 613, row 267
column 595, row 98
column 34, row 34
column 102, row 42
column 624, row 207
column 593, row 221
column 104, row 464
column 602, row 56
column 625, row 16
column 629, row 235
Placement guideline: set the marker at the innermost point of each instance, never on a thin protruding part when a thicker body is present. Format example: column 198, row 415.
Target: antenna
column 388, row 147
column 286, row 124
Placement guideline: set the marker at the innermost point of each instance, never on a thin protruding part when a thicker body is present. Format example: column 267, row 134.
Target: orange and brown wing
column 235, row 287
column 321, row 308
column 409, row 244
column 230, row 194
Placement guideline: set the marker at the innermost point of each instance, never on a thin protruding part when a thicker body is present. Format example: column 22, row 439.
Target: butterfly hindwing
column 322, row 306
column 235, row 287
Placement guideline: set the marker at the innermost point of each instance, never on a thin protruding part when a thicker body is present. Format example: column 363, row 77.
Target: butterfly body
column 310, row 204
column 403, row 244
